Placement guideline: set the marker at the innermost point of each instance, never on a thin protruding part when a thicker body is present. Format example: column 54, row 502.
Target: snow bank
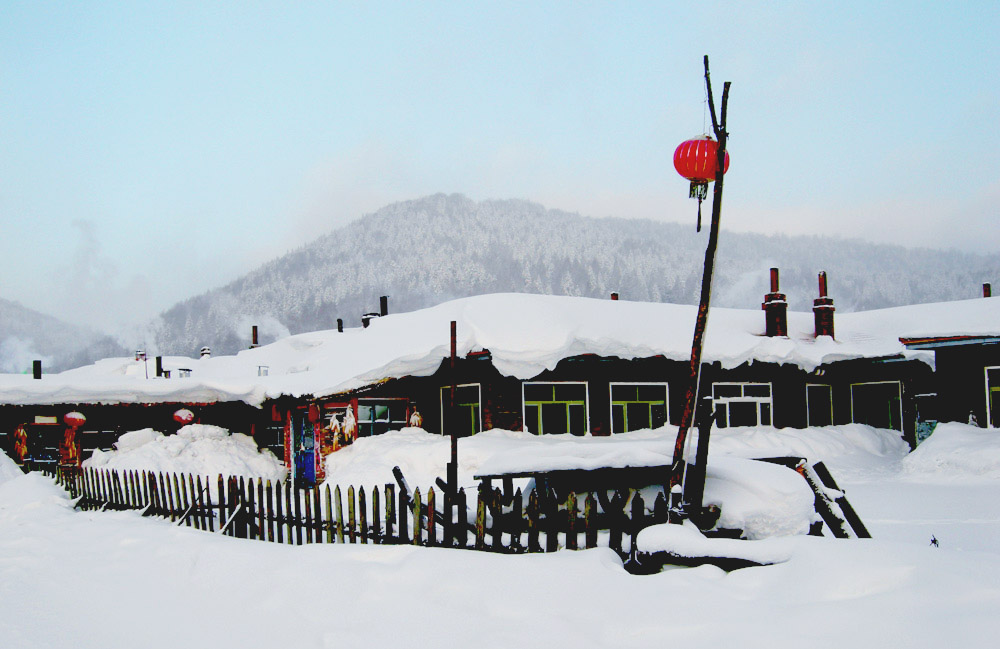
column 687, row 541
column 760, row 498
column 8, row 469
column 851, row 450
column 956, row 451
column 196, row 449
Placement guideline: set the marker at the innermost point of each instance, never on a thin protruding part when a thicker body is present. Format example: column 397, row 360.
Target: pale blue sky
column 149, row 153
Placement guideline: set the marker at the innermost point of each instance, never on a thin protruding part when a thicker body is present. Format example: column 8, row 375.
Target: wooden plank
column 362, row 515
column 182, row 502
column 590, row 523
column 533, row 526
column 164, row 496
column 279, row 514
column 295, row 494
column 328, row 521
column 308, row 519
column 340, row 514
column 390, row 512
column 571, row 540
column 317, row 514
column 416, row 517
column 431, row 518
column 499, row 521
column 462, row 522
column 404, row 516
column 269, row 515
column 352, row 527
column 253, row 530
column 850, row 515
column 221, row 487
column 262, row 531
column 481, row 496
column 376, row 513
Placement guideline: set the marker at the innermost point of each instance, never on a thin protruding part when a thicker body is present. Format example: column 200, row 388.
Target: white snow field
column 106, row 579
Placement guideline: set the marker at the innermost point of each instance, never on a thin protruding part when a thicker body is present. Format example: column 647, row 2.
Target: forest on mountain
column 426, row 251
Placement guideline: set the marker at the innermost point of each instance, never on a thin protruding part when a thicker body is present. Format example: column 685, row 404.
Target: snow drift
column 197, row 449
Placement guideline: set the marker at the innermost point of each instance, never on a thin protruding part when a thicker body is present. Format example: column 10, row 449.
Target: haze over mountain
column 425, row 251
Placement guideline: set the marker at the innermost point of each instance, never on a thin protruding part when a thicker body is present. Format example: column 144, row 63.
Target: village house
column 544, row 364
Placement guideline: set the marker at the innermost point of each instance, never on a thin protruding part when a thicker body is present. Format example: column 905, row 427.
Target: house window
column 993, row 396
column 819, row 405
column 377, row 416
column 878, row 404
column 468, row 409
column 554, row 408
column 635, row 406
column 742, row 404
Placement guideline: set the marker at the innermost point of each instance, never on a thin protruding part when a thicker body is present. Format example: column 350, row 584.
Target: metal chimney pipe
column 159, row 366
column 383, row 305
column 774, row 280
column 822, row 283
column 253, row 337
column 340, row 325
column 36, row 369
column 987, row 290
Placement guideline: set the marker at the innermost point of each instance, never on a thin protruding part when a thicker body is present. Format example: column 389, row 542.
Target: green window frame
column 638, row 405
column 554, row 408
column 377, row 416
column 468, row 405
column 742, row 404
column 992, row 396
column 878, row 404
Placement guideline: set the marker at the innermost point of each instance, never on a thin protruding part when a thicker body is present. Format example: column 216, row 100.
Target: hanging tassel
column 698, row 229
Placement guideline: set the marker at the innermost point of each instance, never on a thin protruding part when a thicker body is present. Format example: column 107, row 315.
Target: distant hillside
column 27, row 335
column 426, row 251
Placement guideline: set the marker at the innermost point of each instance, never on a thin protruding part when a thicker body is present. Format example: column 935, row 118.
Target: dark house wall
column 961, row 380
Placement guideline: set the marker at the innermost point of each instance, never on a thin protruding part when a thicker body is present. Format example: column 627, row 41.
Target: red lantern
column 313, row 413
column 697, row 160
column 184, row 416
column 74, row 419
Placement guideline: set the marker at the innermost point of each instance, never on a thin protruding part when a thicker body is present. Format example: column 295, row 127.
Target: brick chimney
column 823, row 309
column 775, row 309
column 614, row 296
column 987, row 290
column 254, row 341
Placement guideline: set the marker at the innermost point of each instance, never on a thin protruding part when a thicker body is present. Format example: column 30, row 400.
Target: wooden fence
column 266, row 511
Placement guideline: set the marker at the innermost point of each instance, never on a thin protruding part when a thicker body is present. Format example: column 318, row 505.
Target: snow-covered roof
column 525, row 335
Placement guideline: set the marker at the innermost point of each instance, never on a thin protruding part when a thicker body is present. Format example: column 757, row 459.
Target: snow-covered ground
column 93, row 579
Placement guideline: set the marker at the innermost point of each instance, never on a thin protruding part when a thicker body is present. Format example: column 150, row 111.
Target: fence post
column 431, row 518
column 590, row 521
column 352, row 528
column 417, row 527
column 571, row 539
column 376, row 512
column 340, row 514
column 328, row 521
column 462, row 523
column 362, row 514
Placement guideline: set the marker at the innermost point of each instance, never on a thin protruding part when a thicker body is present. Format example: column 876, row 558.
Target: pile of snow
column 196, row 449
column 957, row 451
column 687, row 541
column 760, row 498
column 8, row 469
column 851, row 450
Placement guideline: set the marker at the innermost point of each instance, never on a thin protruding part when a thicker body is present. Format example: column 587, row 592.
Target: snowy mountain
column 425, row 251
column 27, row 335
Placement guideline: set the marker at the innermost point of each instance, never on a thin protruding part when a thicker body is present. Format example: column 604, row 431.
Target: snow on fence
column 266, row 511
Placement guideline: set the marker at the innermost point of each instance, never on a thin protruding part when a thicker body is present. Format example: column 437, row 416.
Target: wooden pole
column 701, row 322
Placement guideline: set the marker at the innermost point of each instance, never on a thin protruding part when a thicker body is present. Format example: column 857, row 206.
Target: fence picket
column 340, row 514
column 288, row 513
column 308, row 518
column 352, row 528
column 417, row 526
column 404, row 515
column 297, row 493
column 590, row 521
column 328, row 521
column 571, row 540
column 362, row 514
column 481, row 497
column 279, row 515
column 462, row 524
column 261, row 515
column 317, row 515
column 431, row 518
column 376, row 512
column 390, row 511
column 635, row 524
column 496, row 509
